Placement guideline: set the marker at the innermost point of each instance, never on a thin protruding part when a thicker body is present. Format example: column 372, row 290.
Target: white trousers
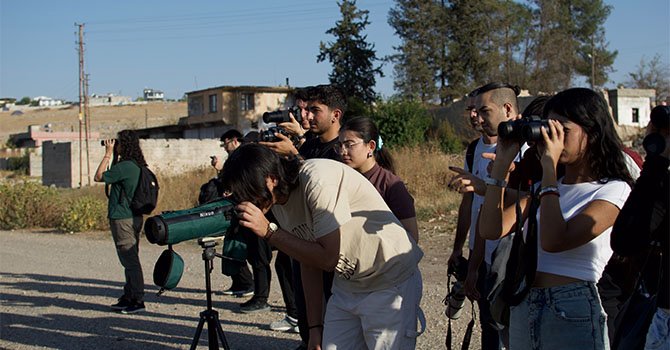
column 384, row 319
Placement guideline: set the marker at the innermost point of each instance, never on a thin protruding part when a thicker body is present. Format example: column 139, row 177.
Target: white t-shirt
column 587, row 261
column 376, row 252
column 480, row 169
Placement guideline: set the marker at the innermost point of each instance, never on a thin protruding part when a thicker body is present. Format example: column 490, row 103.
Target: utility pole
column 87, row 124
column 81, row 96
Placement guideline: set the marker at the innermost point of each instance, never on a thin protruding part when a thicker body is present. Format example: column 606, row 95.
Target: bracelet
column 315, row 326
column 495, row 182
column 547, row 190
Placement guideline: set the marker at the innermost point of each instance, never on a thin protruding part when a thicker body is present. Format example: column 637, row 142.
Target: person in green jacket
column 122, row 177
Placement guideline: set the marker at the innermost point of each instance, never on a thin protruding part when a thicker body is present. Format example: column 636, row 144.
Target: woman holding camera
column 361, row 148
column 575, row 218
column 126, row 156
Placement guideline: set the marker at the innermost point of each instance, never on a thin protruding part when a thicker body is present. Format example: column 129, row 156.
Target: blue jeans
column 658, row 336
column 564, row 317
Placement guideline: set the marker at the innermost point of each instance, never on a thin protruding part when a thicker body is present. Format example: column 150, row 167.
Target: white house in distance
column 631, row 106
column 153, row 95
column 44, row 101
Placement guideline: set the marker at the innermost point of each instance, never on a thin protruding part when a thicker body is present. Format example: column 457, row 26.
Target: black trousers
column 284, row 272
column 259, row 255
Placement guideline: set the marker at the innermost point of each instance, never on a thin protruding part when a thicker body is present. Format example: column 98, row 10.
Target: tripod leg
column 222, row 336
column 198, row 331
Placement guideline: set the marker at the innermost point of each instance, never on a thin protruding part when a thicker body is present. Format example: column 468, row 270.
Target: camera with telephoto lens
column 282, row 116
column 456, row 296
column 269, row 134
column 654, row 143
column 524, row 129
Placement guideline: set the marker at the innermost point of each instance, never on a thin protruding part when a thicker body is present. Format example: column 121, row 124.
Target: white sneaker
column 288, row 323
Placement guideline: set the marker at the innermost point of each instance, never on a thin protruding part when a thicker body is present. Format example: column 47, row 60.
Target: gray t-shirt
column 376, row 252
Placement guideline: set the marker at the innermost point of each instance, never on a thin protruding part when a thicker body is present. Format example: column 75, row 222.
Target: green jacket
column 124, row 174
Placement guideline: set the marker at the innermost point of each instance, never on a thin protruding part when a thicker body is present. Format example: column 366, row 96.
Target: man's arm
column 109, row 152
column 462, row 227
column 322, row 253
column 312, row 283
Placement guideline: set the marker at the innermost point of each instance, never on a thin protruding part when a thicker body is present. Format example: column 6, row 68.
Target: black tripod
column 210, row 315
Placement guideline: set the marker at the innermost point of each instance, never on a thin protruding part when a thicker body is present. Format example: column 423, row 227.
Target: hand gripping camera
column 277, row 117
column 524, row 129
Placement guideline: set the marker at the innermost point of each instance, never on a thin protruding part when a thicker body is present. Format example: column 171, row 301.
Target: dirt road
column 56, row 291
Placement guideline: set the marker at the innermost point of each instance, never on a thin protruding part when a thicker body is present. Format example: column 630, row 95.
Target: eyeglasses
column 226, row 143
column 346, row 146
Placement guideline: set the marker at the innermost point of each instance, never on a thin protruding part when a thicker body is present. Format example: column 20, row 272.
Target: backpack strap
column 470, row 153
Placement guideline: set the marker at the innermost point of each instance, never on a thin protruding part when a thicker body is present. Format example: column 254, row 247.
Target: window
column 195, row 106
column 247, row 102
column 636, row 115
column 212, row 104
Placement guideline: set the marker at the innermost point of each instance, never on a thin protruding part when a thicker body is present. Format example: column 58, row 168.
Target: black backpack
column 146, row 193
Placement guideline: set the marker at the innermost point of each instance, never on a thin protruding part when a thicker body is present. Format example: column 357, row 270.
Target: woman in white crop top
column 575, row 218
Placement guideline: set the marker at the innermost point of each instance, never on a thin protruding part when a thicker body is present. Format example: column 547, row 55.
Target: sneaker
column 134, row 308
column 288, row 323
column 121, row 304
column 254, row 305
column 240, row 293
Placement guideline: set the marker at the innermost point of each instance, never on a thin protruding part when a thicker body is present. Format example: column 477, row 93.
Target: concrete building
column 240, row 107
column 44, row 101
column 108, row 100
column 631, row 106
column 153, row 95
column 61, row 166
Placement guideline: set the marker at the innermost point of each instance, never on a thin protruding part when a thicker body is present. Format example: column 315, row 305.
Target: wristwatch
column 272, row 228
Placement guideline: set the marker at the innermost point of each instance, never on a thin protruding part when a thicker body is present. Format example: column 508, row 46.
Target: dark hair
column 302, row 94
column 501, row 93
column 495, row 86
column 246, row 169
column 366, row 129
column 129, row 148
column 231, row 134
column 604, row 150
column 329, row 95
column 535, row 107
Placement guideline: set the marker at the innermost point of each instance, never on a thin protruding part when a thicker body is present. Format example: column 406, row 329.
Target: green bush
column 84, row 214
column 402, row 123
column 19, row 164
column 445, row 137
column 27, row 204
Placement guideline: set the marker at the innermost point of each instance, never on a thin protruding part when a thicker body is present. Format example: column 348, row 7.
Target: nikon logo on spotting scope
column 206, row 214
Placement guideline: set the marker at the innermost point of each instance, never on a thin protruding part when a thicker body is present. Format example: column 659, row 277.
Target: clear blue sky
column 180, row 46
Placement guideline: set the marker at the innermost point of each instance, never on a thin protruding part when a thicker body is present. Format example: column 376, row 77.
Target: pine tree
column 351, row 56
column 415, row 22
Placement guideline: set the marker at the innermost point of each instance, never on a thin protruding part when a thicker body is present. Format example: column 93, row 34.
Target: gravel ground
column 56, row 290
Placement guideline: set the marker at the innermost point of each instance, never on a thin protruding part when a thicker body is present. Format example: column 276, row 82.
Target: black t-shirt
column 314, row 148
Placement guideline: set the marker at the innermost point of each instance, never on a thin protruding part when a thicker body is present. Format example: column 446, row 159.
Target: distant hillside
column 107, row 120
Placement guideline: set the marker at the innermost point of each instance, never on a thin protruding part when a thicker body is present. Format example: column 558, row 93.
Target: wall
column 625, row 107
column 60, row 161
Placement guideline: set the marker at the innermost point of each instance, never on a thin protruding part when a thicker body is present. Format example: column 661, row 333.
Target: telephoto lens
column 455, row 301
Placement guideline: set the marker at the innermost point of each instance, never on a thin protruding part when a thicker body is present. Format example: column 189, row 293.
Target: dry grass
column 425, row 171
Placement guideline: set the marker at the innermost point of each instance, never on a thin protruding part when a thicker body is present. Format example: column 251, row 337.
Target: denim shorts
column 564, row 317
column 658, row 336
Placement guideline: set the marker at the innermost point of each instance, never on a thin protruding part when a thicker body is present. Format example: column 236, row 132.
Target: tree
column 594, row 60
column 414, row 21
column 24, row 101
column 651, row 75
column 351, row 56
column 570, row 42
